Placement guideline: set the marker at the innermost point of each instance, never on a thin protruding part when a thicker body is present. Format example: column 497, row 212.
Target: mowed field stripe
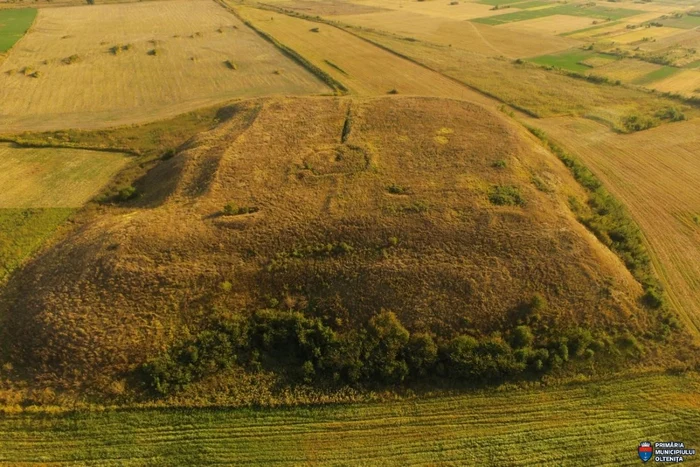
column 597, row 423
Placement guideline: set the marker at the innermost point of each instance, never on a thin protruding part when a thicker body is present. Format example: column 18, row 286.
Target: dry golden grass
column 627, row 69
column 438, row 9
column 103, row 89
column 534, row 90
column 318, row 171
column 686, row 82
column 362, row 67
column 474, row 37
column 643, row 33
column 54, row 178
column 553, row 25
column 657, row 175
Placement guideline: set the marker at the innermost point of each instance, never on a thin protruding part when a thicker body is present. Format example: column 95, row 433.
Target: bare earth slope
column 357, row 205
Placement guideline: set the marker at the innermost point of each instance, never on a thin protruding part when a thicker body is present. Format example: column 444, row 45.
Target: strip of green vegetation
column 609, row 221
column 592, row 28
column 23, row 231
column 513, row 427
column 657, row 75
column 571, row 10
column 498, row 2
column 303, row 349
column 13, row 25
column 569, row 60
column 681, row 22
column 531, row 4
column 693, row 65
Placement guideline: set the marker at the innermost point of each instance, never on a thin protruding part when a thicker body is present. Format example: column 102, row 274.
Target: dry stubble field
column 175, row 63
column 363, row 68
column 656, row 174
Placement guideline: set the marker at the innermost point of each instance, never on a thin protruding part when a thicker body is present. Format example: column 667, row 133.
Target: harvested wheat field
column 474, row 37
column 105, row 65
column 402, row 198
column 685, row 82
column 627, row 70
column 646, row 34
column 656, row 173
column 362, row 67
column 54, row 178
column 554, row 24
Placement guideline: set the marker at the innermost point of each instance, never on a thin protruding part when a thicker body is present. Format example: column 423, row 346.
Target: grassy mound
column 385, row 225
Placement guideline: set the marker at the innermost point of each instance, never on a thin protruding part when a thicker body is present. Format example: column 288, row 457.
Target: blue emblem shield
column 645, row 451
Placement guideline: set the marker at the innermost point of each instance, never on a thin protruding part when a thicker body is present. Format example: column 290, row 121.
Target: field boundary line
column 337, row 87
column 656, row 265
column 5, row 54
column 38, row 145
column 347, row 29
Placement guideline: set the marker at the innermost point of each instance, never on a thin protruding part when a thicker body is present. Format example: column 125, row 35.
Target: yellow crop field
column 362, row 67
column 116, row 64
column 686, row 82
column 554, row 24
column 641, row 34
column 657, row 175
column 627, row 69
column 54, row 178
column 439, row 9
column 474, row 37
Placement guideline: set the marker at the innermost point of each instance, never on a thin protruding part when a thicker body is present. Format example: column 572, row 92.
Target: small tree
column 421, row 353
column 385, row 344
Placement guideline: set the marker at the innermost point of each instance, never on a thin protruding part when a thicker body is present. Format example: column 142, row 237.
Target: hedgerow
column 381, row 352
column 609, row 221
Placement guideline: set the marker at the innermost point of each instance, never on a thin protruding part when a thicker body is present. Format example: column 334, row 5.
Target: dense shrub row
column 381, row 352
column 609, row 221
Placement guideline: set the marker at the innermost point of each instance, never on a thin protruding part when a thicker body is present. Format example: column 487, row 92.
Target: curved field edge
column 25, row 18
column 591, row 423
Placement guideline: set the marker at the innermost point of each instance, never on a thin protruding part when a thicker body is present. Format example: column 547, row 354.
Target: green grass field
column 657, row 75
column 582, row 424
column 569, row 60
column 23, row 231
column 54, row 178
column 684, row 22
column 571, row 10
column 13, row 25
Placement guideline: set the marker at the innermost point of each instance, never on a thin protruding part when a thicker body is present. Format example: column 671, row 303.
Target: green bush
column 499, row 164
column 206, row 354
column 635, row 122
column 490, row 360
column 506, row 195
column 384, row 348
column 126, row 193
column 522, row 337
column 397, row 189
column 421, row 354
column 671, row 114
